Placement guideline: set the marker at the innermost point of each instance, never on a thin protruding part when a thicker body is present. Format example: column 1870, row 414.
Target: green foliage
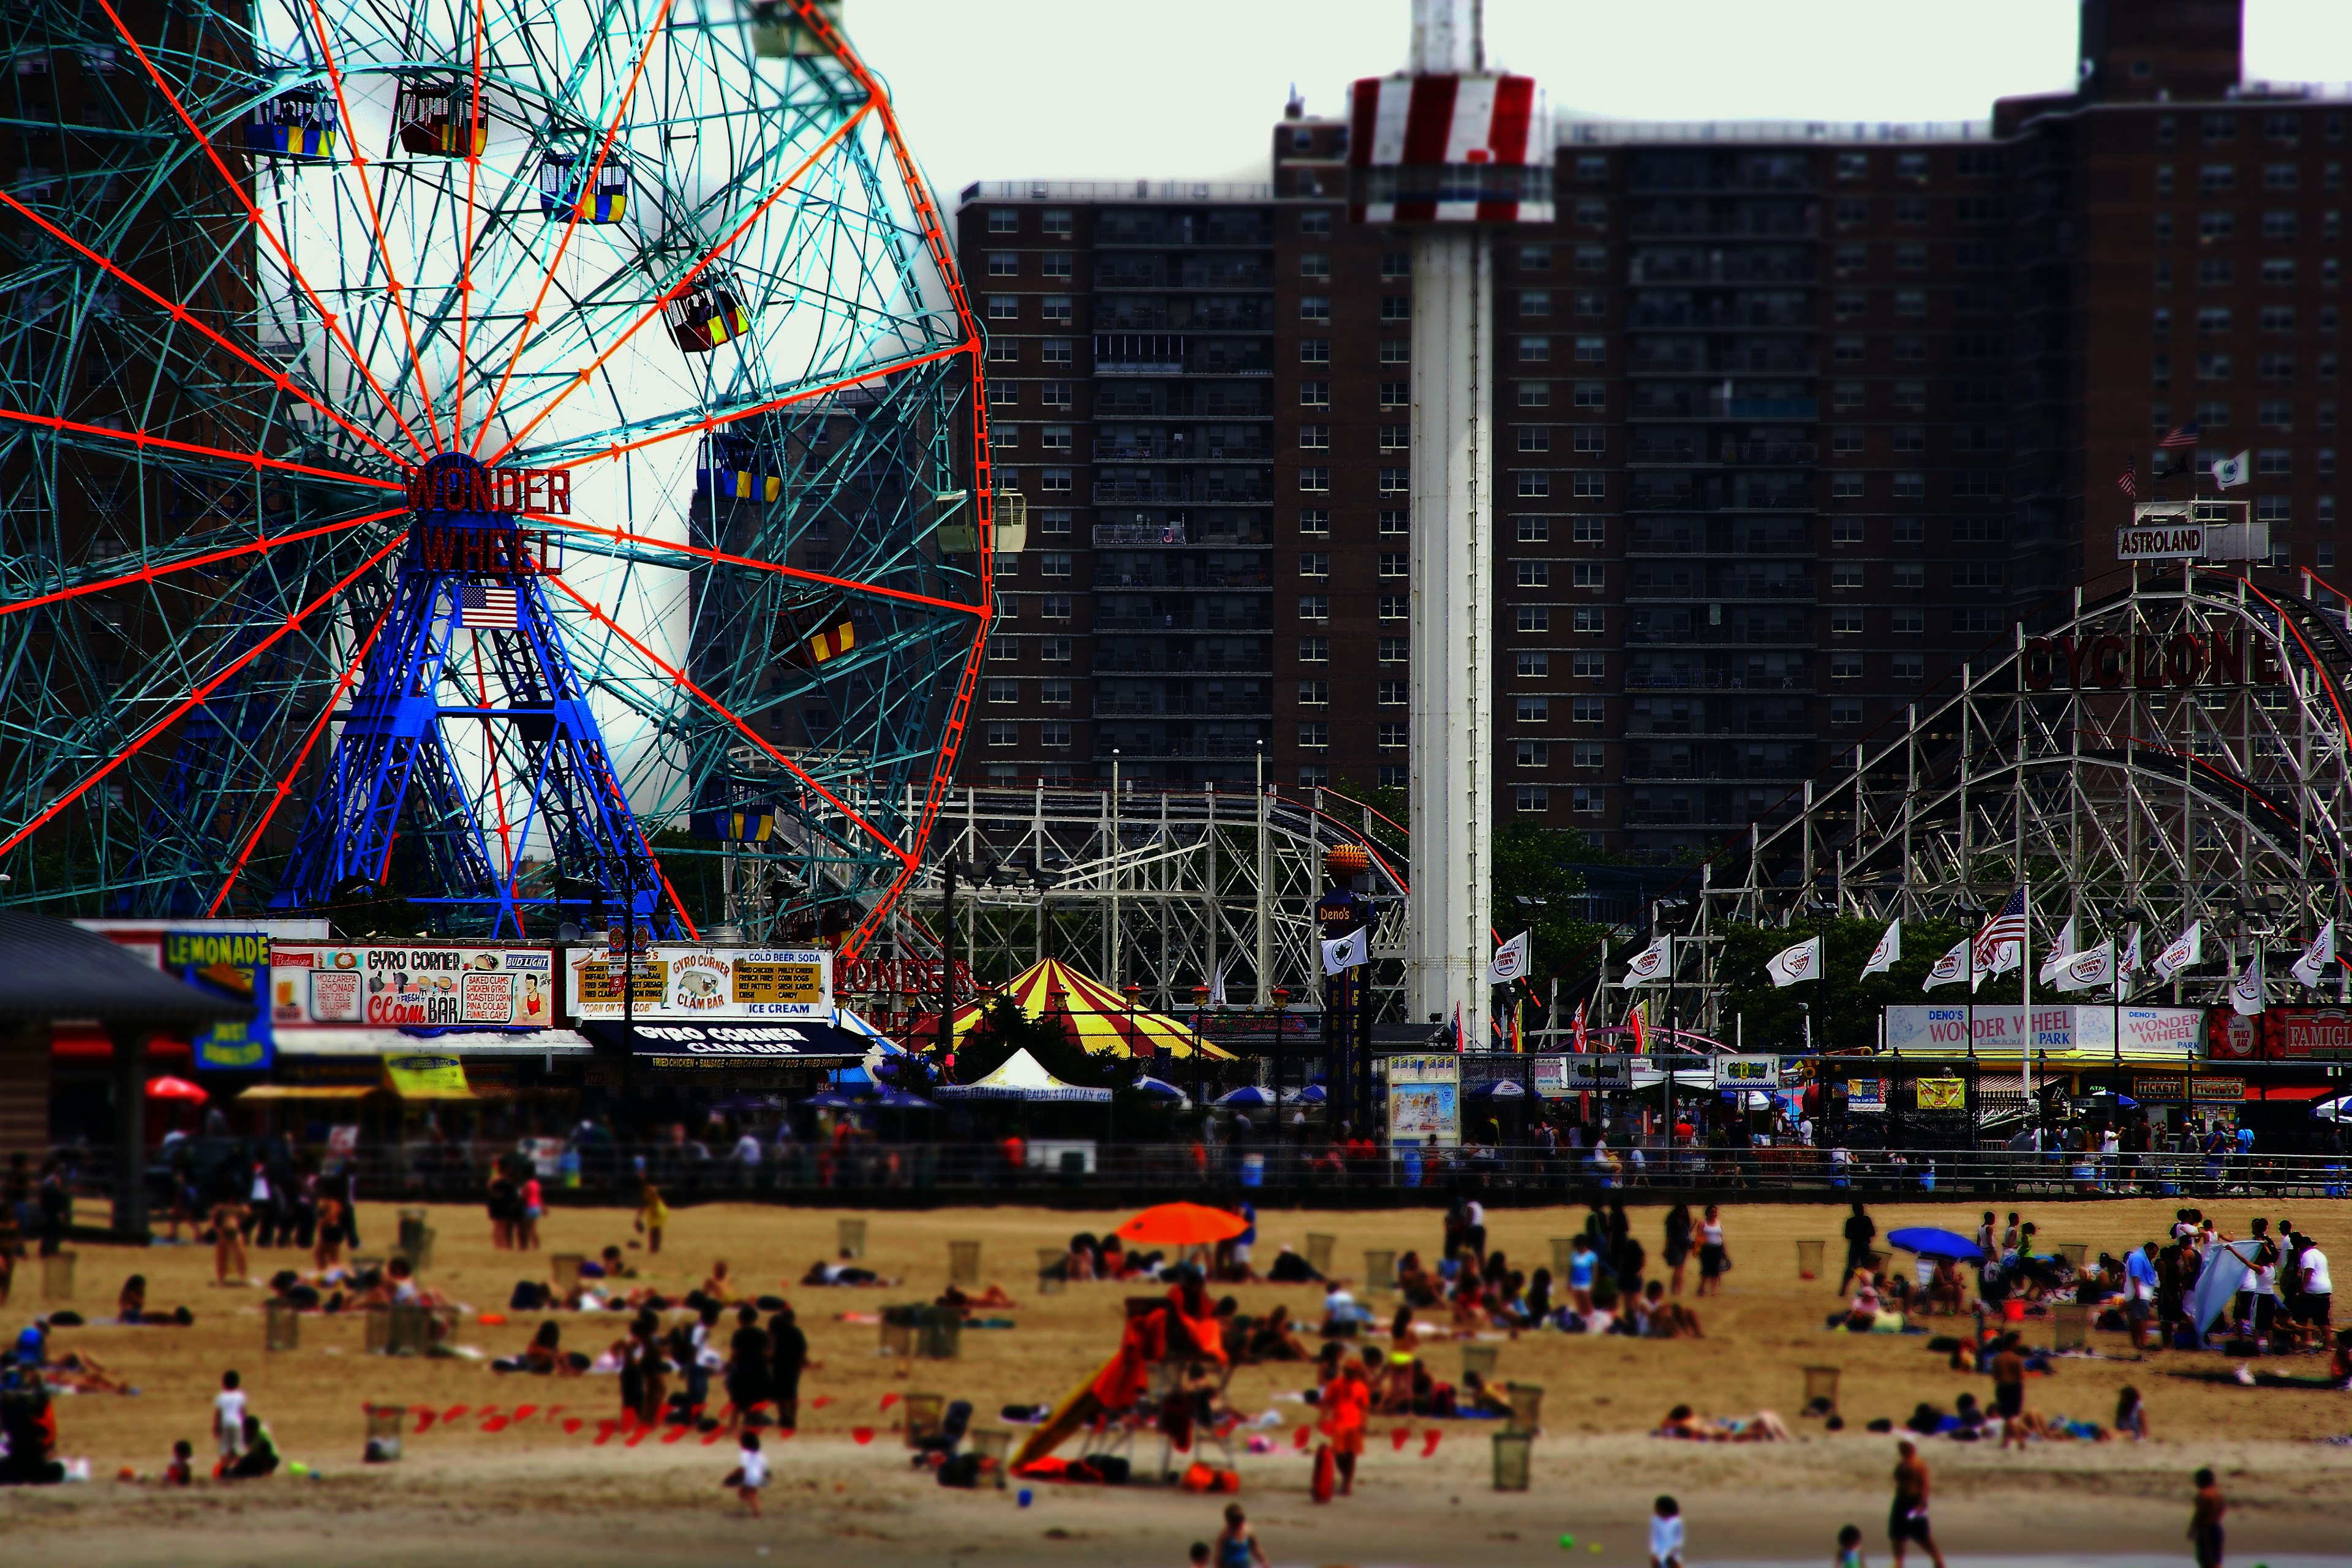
column 1845, row 1009
column 1532, row 862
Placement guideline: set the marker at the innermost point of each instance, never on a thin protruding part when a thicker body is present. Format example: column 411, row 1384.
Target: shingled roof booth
column 53, row 972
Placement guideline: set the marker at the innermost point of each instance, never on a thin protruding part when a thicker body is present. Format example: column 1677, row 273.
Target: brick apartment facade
column 1793, row 420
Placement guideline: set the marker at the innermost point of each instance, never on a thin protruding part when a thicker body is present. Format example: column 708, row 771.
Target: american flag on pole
column 2005, row 929
column 2128, row 480
column 483, row 608
column 2182, row 436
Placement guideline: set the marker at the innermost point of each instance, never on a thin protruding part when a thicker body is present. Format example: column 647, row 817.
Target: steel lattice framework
column 2164, row 755
column 269, row 258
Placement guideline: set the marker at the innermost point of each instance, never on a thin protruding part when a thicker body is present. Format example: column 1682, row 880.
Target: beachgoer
column 788, row 1350
column 260, row 1456
column 653, row 1215
column 1678, row 1243
column 2315, row 1304
column 1583, row 1264
column 1345, row 1402
column 2009, row 1389
column 2131, row 1416
column 1712, row 1258
column 1860, row 1232
column 1237, row 1545
column 228, row 1419
column 1849, row 1548
column 2140, row 1287
column 2205, row 1521
column 1665, row 1534
column 751, row 1473
column 182, row 1470
column 1906, row 1521
column 534, row 1205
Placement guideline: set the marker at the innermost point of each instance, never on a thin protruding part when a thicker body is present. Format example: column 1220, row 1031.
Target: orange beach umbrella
column 1183, row 1225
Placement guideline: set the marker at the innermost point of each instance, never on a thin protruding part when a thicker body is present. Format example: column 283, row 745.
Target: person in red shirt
column 1345, row 1400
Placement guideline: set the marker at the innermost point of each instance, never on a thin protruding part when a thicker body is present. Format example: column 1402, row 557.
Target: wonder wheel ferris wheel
column 450, row 447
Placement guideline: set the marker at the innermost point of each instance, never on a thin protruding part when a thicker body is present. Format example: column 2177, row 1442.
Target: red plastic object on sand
column 1325, row 1472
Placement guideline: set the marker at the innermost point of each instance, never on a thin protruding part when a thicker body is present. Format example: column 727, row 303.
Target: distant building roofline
column 1116, row 191
column 1571, row 129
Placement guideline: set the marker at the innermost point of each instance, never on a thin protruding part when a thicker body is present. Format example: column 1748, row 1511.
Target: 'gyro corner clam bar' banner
column 345, row 999
column 696, row 1006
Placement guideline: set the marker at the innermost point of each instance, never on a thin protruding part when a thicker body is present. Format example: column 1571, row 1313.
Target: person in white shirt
column 2318, row 1302
column 751, row 1473
column 1666, row 1535
column 228, row 1419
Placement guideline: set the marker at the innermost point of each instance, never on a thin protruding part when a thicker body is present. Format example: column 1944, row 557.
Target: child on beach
column 228, row 1419
column 1666, row 1535
column 653, row 1215
column 182, row 1470
column 1849, row 1552
column 1237, row 1545
column 750, row 1474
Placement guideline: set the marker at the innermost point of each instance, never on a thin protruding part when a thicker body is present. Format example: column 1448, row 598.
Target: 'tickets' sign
column 2151, row 663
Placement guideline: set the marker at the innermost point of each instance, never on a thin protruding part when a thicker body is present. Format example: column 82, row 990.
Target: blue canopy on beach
column 1928, row 1242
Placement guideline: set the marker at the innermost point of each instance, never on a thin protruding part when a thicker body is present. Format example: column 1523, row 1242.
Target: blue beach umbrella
column 1929, row 1242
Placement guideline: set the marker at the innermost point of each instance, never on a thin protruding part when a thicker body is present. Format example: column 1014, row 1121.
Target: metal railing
column 597, row 1173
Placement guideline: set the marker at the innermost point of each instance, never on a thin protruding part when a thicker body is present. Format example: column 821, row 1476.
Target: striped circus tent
column 1092, row 1013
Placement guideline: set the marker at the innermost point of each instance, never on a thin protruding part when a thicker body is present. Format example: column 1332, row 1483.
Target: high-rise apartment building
column 1794, row 420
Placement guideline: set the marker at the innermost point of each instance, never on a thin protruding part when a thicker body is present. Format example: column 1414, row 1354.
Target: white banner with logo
column 2089, row 1028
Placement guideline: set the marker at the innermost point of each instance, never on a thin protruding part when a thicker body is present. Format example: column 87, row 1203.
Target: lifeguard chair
column 707, row 314
column 1157, row 1413
column 560, row 194
column 297, row 124
column 439, row 119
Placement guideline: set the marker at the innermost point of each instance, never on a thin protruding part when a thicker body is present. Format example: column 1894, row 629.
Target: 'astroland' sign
column 2151, row 661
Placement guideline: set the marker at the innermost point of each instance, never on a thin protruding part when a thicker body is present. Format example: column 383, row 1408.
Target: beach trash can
column 1821, row 1391
column 925, row 1412
column 853, row 1237
column 993, row 1448
column 1479, row 1359
column 1319, row 1253
column 384, row 1433
column 898, row 1326
column 1527, row 1408
column 57, row 1276
column 411, row 1330
column 379, row 1330
column 1053, row 1264
column 2070, row 1326
column 939, row 1333
column 1563, row 1252
column 563, row 1269
column 2073, row 1252
column 1513, row 1450
column 284, row 1325
column 963, row 1263
column 1379, row 1270
column 1809, row 1259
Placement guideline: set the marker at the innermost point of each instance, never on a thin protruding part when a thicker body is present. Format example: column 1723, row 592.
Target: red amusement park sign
column 2149, row 662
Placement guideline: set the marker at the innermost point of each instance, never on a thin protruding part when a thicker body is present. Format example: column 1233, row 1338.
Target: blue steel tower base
column 469, row 775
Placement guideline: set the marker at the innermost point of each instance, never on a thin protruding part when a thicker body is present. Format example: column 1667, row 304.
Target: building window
column 1845, row 623
column 1535, row 351
column 1055, row 351
column 1313, row 519
column 1910, row 622
column 1534, row 395
column 1315, row 223
column 1908, row 666
column 1845, row 666
column 1845, row 486
column 1315, row 307
column 1534, row 574
column 1395, row 607
column 1535, row 666
column 1845, row 711
column 1313, row 264
column 1053, row 394
column 1395, row 393
column 1054, row 438
column 1588, row 484
column 1314, row 650
column 1592, row 394
column 1395, row 564
column 1056, row 223
column 1054, row 693
column 1054, row 563
column 1315, row 564
column 1590, row 666
column 1004, row 649
column 1054, row 650
column 1315, row 607
column 1004, row 307
column 1588, row 620
column 1534, row 530
column 1057, row 264
column 1591, row 259
column 1394, row 693
column 1538, row 258
column 1004, row 734
column 1393, row 736
column 2273, row 509
column 1583, row 531
column 1392, row 522
column 2274, row 461
column 1315, row 394
column 1395, row 482
column 1004, row 220
column 1531, row 797
column 1314, row 737
column 1315, row 480
column 1004, row 351
column 1314, row 351
column 1532, row 618
column 1054, row 481
column 1586, row 801
column 1534, row 302
column 1534, row 710
column 1845, row 531
column 1057, row 310
column 1004, row 691
column 1314, row 777
column 1004, row 264
column 1315, row 694
column 1588, row 710
column 1396, row 264
column 1592, row 351
column 1314, row 437
column 1396, row 307
column 1394, row 651
column 1397, row 437
column 1910, row 487
column 1395, row 351
column 1531, row 754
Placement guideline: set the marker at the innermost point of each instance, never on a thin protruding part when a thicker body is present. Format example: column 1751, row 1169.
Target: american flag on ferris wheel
column 487, row 609
column 2006, row 928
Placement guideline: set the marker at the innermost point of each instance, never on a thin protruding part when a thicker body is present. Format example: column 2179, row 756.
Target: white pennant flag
column 1652, row 964
column 1217, row 989
column 2229, row 471
column 1350, row 951
column 2060, row 952
column 2185, row 951
column 1509, row 962
column 2318, row 959
column 2246, row 990
column 1884, row 955
column 2087, row 970
column 1792, row 965
column 1953, row 965
column 2131, row 964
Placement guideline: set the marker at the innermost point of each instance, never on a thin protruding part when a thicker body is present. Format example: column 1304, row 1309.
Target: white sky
column 1003, row 89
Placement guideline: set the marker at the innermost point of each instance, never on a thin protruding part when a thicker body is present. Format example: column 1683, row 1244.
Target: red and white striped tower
column 1447, row 152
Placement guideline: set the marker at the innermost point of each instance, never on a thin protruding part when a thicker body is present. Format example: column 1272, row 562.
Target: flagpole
column 2025, row 984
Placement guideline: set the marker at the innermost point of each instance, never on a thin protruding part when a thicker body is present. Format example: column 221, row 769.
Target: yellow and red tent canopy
column 1096, row 1017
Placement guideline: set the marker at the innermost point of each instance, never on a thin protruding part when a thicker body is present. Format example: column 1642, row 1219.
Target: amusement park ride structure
column 304, row 281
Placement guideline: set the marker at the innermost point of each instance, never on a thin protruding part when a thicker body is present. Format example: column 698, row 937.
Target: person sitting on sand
column 1764, row 1427
column 182, row 1470
column 1272, row 1338
column 259, row 1458
column 2131, row 1416
column 1945, row 1289
column 1419, row 1289
column 1079, row 1264
column 716, row 1286
column 1863, row 1311
column 1475, row 1398
column 1665, row 1320
column 965, row 1302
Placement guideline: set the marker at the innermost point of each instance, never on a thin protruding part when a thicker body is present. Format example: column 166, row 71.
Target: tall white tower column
column 1453, row 730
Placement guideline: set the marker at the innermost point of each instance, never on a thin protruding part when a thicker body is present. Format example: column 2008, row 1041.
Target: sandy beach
column 528, row 1490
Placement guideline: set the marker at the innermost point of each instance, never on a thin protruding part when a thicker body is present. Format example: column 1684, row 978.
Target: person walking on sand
column 1860, row 1232
column 1906, row 1521
column 1237, row 1544
column 1666, row 1535
column 1712, row 1258
column 2205, row 1521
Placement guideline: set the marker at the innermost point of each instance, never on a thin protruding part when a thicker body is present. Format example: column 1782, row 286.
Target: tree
column 1533, row 863
column 1004, row 1029
column 1845, row 1008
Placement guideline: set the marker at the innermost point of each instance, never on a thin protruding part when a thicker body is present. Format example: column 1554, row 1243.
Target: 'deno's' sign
column 2150, row 662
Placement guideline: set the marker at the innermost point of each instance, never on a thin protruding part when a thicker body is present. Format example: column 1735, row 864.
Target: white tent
column 1020, row 1078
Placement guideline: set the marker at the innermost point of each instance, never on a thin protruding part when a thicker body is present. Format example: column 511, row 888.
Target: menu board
column 682, row 982
column 412, row 987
